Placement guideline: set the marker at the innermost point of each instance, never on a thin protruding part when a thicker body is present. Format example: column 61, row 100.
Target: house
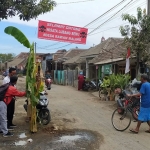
column 105, row 45
column 19, row 61
column 113, row 60
column 49, row 60
column 54, row 61
column 72, row 53
column 88, row 58
column 60, row 72
column 76, row 62
column 67, row 56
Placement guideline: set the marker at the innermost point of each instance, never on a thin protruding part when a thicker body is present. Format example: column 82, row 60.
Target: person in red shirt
column 80, row 81
column 10, row 93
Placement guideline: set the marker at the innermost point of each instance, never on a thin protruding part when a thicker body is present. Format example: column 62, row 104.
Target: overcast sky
column 75, row 14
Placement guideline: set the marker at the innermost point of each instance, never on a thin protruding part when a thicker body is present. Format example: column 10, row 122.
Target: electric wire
column 128, row 4
column 55, row 48
column 75, row 2
column 124, row 12
column 110, row 17
column 105, row 13
column 118, row 14
column 49, row 45
column 97, row 19
column 98, row 26
column 107, row 29
column 71, row 43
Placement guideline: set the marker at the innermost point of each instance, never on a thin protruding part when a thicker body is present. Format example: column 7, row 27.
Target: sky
column 74, row 14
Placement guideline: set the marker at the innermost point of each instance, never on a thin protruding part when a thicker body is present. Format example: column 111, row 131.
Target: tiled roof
column 56, row 57
column 25, row 55
column 99, row 51
column 76, row 59
column 73, row 52
column 15, row 62
column 118, row 51
column 107, row 44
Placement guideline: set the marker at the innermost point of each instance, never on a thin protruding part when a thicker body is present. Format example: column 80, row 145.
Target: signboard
column 62, row 33
column 107, row 69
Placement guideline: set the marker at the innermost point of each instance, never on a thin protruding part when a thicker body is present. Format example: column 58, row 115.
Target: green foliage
column 31, row 79
column 25, row 9
column 105, row 84
column 113, row 81
column 139, row 34
column 122, row 80
column 6, row 57
column 18, row 35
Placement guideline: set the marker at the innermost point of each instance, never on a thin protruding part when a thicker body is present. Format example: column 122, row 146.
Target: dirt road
column 77, row 110
column 87, row 112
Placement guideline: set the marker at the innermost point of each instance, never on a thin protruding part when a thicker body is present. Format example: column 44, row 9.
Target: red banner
column 62, row 33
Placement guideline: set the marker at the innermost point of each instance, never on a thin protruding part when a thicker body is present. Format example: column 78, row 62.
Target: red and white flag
column 128, row 61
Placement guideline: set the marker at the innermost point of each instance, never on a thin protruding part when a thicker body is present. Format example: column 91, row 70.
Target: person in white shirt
column 11, row 106
column 6, row 80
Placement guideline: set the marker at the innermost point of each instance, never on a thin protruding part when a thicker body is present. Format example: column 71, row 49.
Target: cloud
column 80, row 14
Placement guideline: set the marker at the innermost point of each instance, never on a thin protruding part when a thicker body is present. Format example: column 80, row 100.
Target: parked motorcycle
column 92, row 85
column 88, row 85
column 99, row 83
column 43, row 113
column 95, row 84
column 48, row 83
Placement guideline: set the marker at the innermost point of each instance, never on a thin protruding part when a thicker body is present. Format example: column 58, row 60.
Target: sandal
column 133, row 131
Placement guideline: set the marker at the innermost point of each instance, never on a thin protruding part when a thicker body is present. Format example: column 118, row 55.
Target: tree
column 6, row 57
column 25, row 9
column 137, row 35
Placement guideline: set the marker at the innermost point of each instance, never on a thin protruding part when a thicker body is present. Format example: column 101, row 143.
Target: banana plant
column 31, row 87
column 18, row 35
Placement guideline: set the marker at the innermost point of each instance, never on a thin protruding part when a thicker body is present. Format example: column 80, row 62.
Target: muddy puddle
column 58, row 140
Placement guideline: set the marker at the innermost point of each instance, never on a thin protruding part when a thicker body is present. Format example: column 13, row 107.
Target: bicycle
column 130, row 109
column 99, row 90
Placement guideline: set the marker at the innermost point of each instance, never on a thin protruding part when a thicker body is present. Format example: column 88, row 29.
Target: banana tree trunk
column 33, row 125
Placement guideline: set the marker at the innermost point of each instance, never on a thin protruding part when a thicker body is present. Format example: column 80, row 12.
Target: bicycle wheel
column 135, row 112
column 121, row 122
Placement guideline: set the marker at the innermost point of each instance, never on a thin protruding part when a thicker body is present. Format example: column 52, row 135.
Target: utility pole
column 148, row 7
column 35, row 47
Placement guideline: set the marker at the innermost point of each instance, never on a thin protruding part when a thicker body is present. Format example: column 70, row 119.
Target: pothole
column 60, row 140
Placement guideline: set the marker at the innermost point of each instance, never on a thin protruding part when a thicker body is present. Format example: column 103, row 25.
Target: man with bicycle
column 144, row 114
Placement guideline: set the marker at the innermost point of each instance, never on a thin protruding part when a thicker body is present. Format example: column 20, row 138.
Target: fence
column 66, row 77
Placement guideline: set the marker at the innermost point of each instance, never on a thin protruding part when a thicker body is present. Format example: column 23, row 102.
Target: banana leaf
column 18, row 35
